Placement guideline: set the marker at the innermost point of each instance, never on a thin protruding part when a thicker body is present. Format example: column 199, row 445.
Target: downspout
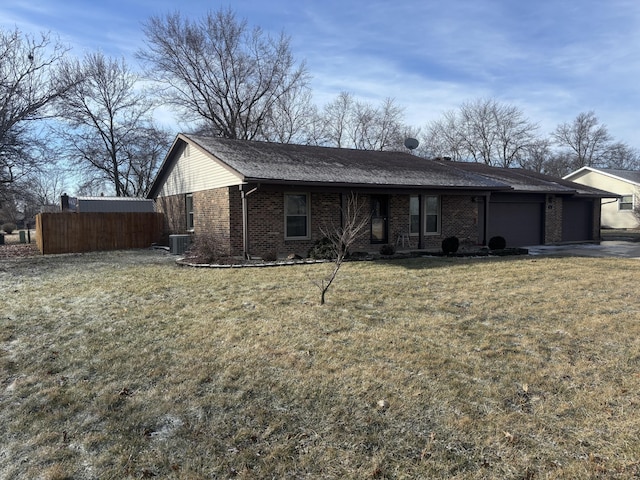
column 485, row 227
column 245, row 221
column 421, row 222
column 485, row 238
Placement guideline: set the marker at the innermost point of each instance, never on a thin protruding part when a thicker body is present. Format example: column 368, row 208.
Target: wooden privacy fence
column 71, row 232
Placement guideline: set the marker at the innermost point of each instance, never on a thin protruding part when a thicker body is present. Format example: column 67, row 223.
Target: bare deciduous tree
column 442, row 138
column 484, row 131
column 537, row 156
column 585, row 140
column 349, row 123
column 379, row 128
column 355, row 219
column 45, row 185
column 291, row 118
column 622, row 156
column 336, row 119
column 112, row 134
column 220, row 72
column 33, row 75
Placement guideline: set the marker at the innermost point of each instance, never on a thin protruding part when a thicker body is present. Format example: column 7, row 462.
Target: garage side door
column 577, row 220
column 520, row 223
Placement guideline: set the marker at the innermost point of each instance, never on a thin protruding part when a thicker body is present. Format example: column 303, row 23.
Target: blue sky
column 551, row 58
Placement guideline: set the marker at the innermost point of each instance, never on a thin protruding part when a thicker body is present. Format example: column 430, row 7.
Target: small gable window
column 296, row 216
column 626, row 202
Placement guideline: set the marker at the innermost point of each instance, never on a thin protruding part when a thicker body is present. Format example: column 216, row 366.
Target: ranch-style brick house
column 269, row 199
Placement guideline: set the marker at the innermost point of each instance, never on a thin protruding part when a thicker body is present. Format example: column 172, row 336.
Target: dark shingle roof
column 529, row 181
column 632, row 176
column 263, row 161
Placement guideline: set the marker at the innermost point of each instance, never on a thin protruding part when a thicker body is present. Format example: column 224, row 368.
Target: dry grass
column 125, row 366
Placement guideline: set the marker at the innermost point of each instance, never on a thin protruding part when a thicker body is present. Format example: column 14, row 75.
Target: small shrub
column 450, row 245
column 205, row 249
column 387, row 249
column 9, row 228
column 271, row 256
column 322, row 249
column 497, row 243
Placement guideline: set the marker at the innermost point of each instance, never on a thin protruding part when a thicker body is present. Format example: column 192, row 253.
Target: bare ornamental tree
column 223, row 74
column 355, row 219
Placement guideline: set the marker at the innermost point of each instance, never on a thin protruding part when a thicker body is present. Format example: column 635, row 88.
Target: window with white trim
column 296, row 216
column 188, row 204
column 431, row 214
column 414, row 215
column 626, row 202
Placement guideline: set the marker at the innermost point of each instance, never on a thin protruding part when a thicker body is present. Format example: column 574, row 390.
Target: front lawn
column 122, row 365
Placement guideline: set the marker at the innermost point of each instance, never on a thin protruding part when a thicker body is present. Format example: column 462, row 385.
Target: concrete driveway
column 608, row 248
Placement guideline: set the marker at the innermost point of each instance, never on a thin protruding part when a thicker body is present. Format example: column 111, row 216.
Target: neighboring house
column 617, row 213
column 258, row 198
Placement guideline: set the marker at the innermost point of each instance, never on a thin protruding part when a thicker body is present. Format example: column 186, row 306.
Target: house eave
column 371, row 186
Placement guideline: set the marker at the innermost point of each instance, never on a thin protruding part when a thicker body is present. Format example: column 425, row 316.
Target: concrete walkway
column 609, row 248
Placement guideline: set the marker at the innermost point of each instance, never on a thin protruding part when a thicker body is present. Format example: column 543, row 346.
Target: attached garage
column 517, row 218
column 577, row 219
column 539, row 209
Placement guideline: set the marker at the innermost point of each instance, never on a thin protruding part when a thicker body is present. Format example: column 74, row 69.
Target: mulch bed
column 18, row 250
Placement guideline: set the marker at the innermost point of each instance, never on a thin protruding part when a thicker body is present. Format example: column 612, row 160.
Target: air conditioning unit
column 178, row 244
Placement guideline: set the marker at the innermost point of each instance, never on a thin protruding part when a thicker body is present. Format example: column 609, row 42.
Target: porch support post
column 245, row 220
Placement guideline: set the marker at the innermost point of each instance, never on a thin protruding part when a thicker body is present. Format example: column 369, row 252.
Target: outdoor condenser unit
column 178, row 244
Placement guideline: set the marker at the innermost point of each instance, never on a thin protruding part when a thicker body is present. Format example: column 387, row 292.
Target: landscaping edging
column 183, row 262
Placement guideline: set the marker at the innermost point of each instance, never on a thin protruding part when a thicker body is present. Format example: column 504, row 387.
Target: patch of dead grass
column 122, row 365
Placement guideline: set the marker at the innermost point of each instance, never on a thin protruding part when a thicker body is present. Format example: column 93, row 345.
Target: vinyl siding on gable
column 603, row 182
column 196, row 171
column 611, row 215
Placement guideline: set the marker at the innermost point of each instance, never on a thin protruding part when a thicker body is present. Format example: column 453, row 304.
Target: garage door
column 577, row 220
column 520, row 223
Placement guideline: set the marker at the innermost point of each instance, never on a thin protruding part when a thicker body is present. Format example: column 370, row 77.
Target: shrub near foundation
column 206, row 250
column 450, row 245
column 322, row 249
column 497, row 243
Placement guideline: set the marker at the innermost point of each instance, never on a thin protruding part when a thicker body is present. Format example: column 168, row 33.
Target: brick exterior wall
column 218, row 212
column 553, row 219
column 459, row 217
column 211, row 217
column 267, row 222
